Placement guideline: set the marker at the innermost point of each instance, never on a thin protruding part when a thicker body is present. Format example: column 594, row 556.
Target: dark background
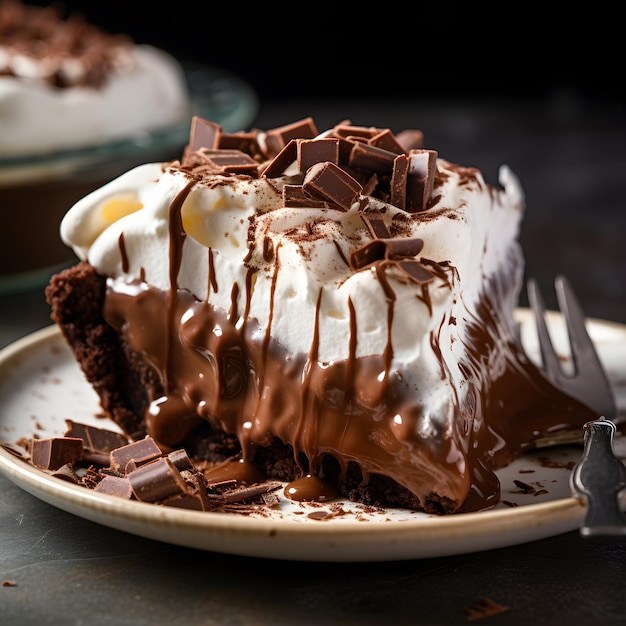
column 446, row 71
column 383, row 50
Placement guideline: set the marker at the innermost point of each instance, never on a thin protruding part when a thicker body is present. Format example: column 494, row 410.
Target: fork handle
column 599, row 477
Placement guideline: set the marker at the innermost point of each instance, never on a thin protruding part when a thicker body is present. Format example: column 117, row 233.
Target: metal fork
column 599, row 477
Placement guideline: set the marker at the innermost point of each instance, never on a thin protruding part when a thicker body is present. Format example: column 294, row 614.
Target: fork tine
column 588, row 368
column 549, row 357
column 589, row 382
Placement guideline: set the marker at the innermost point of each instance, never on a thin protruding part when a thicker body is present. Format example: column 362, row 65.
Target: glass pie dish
column 37, row 190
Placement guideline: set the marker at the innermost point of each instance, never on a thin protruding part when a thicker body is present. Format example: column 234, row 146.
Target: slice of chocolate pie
column 332, row 309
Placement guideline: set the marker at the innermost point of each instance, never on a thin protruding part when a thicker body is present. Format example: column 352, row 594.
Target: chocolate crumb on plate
column 524, row 487
column 485, row 607
column 141, row 471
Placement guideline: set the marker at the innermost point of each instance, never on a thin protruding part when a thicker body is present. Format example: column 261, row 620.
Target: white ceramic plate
column 41, row 386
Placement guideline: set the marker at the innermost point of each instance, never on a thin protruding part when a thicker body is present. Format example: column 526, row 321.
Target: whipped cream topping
column 360, row 306
column 66, row 84
column 471, row 227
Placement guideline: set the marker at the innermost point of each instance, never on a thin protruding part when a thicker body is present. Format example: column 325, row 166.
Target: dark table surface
column 570, row 155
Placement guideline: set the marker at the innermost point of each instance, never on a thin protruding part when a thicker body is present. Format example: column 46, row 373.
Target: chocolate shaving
column 485, row 607
column 524, row 487
column 16, row 451
column 246, row 493
column 548, row 462
column 92, row 477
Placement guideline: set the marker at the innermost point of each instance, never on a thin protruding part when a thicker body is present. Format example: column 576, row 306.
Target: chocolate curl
column 384, row 249
column 195, row 498
column 241, row 494
column 329, row 182
column 157, row 480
